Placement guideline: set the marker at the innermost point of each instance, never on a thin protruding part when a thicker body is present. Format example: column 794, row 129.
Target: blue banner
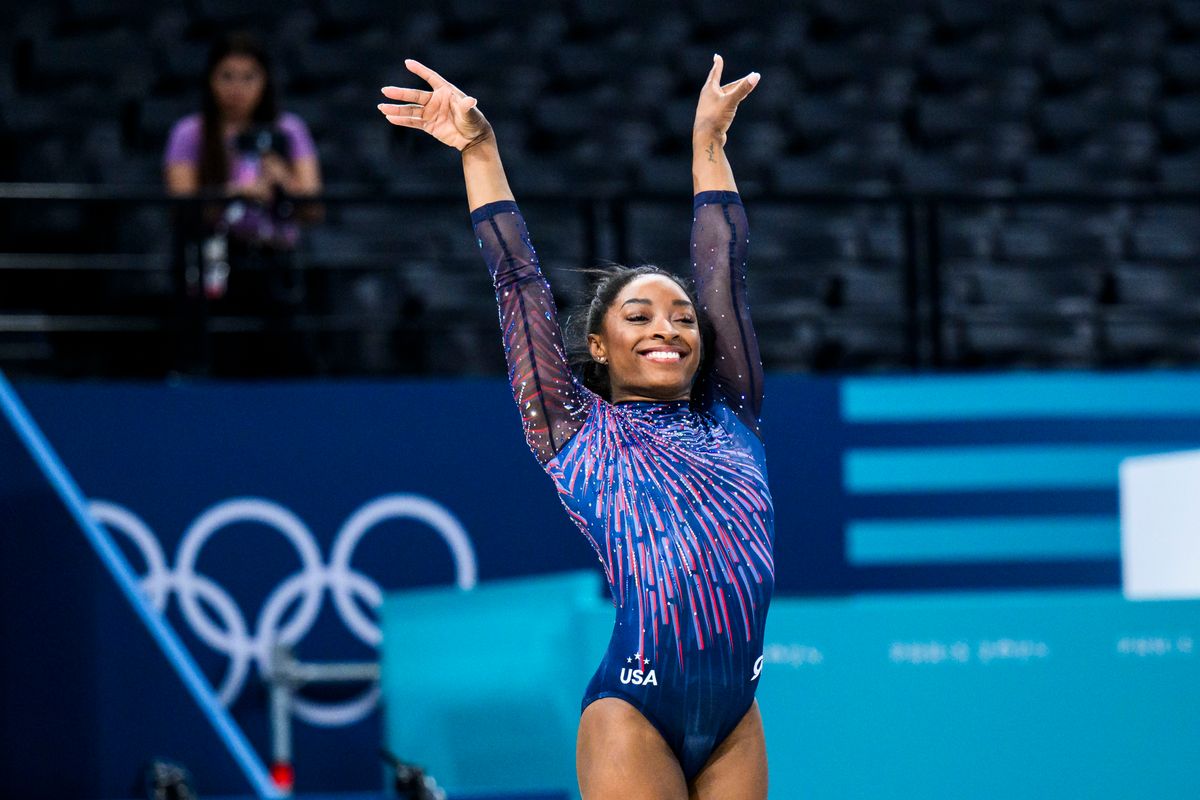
column 261, row 513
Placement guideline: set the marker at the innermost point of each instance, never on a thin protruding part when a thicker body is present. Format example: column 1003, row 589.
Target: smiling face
column 650, row 341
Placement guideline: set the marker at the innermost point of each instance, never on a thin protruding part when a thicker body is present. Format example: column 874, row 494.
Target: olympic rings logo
column 231, row 634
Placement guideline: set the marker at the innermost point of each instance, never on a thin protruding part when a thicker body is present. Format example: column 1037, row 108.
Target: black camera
column 262, row 140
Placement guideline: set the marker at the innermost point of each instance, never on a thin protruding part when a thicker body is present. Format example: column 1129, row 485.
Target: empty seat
column 950, row 68
column 327, row 245
column 1149, row 338
column 813, row 240
column 315, row 110
column 217, row 15
column 670, row 174
column 1181, row 65
column 581, row 64
column 1179, row 173
column 1056, row 173
column 1003, row 339
column 964, row 17
column 848, row 286
column 893, row 91
column 1016, row 89
column 93, row 14
column 31, row 115
column 829, row 64
column 874, row 147
column 1129, row 145
column 855, row 340
column 320, row 64
column 1079, row 17
column 1154, row 285
column 757, row 142
column 1182, row 215
column 564, row 119
column 940, row 119
column 341, row 165
column 179, row 65
column 487, row 14
column 1008, row 143
column 646, row 88
column 1031, row 241
column 157, row 115
column 1068, row 67
column 1136, row 92
column 355, row 15
column 1185, row 14
column 776, row 287
column 116, row 60
column 883, row 243
column 1069, row 120
column 818, row 119
column 460, row 62
column 939, row 172
column 1181, row 119
column 659, row 234
column 387, row 232
column 1166, row 240
column 967, row 236
column 1026, row 34
column 630, row 141
column 557, row 230
column 983, row 284
column 824, row 173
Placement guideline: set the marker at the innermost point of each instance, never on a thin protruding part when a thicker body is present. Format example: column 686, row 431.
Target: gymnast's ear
column 597, row 349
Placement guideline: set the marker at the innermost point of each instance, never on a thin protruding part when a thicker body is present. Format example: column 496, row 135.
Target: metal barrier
column 112, row 282
column 285, row 677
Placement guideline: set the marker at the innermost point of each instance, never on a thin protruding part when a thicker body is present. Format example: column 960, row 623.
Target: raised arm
column 553, row 405
column 720, row 242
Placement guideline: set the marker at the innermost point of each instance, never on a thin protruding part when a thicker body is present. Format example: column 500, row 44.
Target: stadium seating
column 1067, row 97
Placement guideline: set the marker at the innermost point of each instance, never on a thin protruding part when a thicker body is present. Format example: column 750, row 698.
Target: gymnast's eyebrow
column 644, row 301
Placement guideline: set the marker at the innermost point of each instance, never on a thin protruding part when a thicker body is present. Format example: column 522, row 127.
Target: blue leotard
column 672, row 495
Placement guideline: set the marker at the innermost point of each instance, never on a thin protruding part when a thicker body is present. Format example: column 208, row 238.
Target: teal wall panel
column 980, row 695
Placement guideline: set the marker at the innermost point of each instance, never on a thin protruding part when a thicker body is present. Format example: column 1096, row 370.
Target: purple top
column 246, row 221
column 183, row 145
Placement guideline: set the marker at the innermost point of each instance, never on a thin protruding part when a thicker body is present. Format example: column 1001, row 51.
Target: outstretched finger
column 406, row 95
column 714, row 74
column 407, row 122
column 425, row 73
column 737, row 90
column 412, row 109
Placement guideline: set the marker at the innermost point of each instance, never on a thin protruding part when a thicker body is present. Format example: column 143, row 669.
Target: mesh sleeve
column 553, row 404
column 720, row 241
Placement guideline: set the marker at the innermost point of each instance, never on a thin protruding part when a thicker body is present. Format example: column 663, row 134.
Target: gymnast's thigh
column 737, row 769
column 619, row 754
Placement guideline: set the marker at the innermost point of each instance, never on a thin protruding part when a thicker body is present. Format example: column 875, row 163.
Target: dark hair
column 589, row 318
column 214, row 161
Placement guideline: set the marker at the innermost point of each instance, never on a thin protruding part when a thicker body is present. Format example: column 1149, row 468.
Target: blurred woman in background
column 241, row 142
column 241, row 146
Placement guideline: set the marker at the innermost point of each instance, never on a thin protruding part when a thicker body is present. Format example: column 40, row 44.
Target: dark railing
column 109, row 281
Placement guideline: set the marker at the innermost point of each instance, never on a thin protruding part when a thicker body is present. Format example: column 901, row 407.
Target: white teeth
column 663, row 355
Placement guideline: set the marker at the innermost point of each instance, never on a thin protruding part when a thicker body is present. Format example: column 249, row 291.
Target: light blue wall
column 1000, row 695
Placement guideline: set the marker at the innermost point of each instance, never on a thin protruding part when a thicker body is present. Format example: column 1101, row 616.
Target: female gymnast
column 656, row 455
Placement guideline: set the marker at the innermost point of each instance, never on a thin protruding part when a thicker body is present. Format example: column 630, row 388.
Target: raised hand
column 718, row 104
column 446, row 113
